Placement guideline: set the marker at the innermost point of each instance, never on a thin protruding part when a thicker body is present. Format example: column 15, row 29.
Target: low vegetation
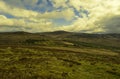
column 43, row 57
column 27, row 63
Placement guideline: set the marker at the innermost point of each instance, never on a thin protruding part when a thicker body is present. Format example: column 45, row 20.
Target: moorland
column 59, row 55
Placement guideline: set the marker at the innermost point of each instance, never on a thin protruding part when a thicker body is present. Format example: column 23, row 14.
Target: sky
column 84, row 16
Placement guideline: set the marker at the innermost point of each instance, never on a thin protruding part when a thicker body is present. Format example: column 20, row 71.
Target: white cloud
column 18, row 12
column 31, row 25
column 59, row 3
column 5, row 21
column 67, row 14
column 101, row 15
column 75, row 3
column 30, row 19
column 99, row 11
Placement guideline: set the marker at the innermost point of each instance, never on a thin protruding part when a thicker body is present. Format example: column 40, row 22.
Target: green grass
column 41, row 63
column 59, row 55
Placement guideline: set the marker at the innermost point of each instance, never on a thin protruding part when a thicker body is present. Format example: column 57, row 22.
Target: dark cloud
column 110, row 24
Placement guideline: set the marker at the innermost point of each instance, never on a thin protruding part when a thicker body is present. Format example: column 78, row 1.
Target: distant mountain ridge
column 58, row 38
column 16, row 32
column 61, row 32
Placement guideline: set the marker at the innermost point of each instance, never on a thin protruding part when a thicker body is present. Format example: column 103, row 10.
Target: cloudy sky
column 88, row 16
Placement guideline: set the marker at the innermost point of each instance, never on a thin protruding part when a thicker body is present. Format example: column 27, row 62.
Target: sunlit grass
column 26, row 63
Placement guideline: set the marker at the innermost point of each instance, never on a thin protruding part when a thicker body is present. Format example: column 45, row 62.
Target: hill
column 60, row 38
column 59, row 55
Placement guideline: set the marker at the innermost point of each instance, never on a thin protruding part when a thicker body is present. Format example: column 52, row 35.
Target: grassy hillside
column 53, row 63
column 59, row 37
column 59, row 55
